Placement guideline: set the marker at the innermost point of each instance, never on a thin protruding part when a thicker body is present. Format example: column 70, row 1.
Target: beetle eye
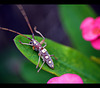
column 30, row 42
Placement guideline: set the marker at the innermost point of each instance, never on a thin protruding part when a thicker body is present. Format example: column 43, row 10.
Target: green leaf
column 95, row 59
column 69, row 60
column 71, row 17
column 29, row 73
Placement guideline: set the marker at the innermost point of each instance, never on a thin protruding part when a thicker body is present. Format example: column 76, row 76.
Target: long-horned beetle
column 37, row 46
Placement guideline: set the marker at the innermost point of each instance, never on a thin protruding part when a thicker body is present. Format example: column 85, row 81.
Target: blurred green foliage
column 71, row 17
column 10, row 60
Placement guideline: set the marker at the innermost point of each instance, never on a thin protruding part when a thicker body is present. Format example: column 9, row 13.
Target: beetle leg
column 25, row 43
column 38, row 60
column 40, row 35
column 42, row 41
column 41, row 66
column 54, row 56
column 44, row 45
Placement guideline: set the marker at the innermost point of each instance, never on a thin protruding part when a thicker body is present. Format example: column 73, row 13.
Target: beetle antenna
column 14, row 32
column 25, row 16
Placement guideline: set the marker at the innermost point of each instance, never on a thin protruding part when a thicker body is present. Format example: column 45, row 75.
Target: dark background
column 45, row 17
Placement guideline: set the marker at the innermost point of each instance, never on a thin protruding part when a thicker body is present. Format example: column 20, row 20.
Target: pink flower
column 91, row 31
column 66, row 79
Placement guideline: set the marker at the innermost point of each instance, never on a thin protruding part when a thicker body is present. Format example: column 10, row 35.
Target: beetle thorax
column 37, row 45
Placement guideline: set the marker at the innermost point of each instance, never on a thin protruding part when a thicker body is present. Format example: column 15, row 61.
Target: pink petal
column 88, row 34
column 66, row 78
column 87, row 22
column 53, row 80
column 97, row 22
column 97, row 19
column 96, row 44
